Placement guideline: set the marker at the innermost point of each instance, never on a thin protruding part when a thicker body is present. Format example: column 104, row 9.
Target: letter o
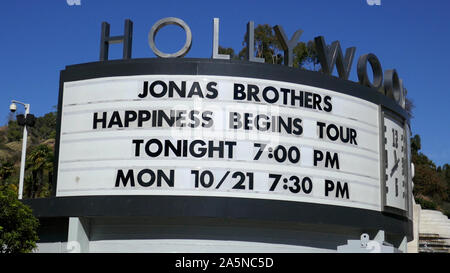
column 392, row 87
column 266, row 96
column 158, row 144
column 170, row 21
column 376, row 68
column 336, row 132
column 141, row 180
column 152, row 89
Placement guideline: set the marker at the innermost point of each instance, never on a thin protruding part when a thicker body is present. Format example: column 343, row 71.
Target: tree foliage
column 39, row 159
column 15, row 131
column 40, row 166
column 6, row 169
column 45, row 127
column 428, row 182
column 228, row 51
column 305, row 56
column 431, row 183
column 18, row 227
column 268, row 47
column 444, row 172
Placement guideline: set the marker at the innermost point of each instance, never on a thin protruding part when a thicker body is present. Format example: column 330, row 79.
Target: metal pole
column 24, row 152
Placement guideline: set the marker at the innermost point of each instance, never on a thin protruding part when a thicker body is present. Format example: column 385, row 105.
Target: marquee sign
column 138, row 129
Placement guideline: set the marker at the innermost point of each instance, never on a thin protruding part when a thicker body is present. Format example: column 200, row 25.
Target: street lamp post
column 24, row 144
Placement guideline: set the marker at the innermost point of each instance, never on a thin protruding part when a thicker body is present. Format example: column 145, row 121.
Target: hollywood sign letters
column 329, row 56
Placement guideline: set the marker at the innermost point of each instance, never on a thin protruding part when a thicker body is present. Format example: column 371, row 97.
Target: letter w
column 329, row 56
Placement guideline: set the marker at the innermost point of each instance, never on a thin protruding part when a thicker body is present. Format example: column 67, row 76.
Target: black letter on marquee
column 321, row 125
column 342, row 191
column 329, row 186
column 331, row 56
column 318, row 156
column 138, row 142
column 121, row 177
column 126, row 39
column 141, row 180
column 98, row 120
column 239, row 92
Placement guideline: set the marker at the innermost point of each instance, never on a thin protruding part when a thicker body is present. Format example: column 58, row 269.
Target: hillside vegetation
column 39, row 158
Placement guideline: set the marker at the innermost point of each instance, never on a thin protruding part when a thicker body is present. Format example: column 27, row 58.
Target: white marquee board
column 116, row 140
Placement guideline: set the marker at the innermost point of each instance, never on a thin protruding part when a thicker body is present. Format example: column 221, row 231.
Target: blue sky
column 39, row 38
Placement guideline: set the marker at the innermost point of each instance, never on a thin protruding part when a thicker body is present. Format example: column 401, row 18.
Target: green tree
column 445, row 174
column 428, row 181
column 6, row 170
column 416, row 144
column 15, row 131
column 40, row 165
column 268, row 47
column 228, row 51
column 18, row 226
column 45, row 127
column 305, row 56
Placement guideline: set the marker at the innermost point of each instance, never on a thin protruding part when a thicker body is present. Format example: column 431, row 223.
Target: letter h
column 126, row 39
